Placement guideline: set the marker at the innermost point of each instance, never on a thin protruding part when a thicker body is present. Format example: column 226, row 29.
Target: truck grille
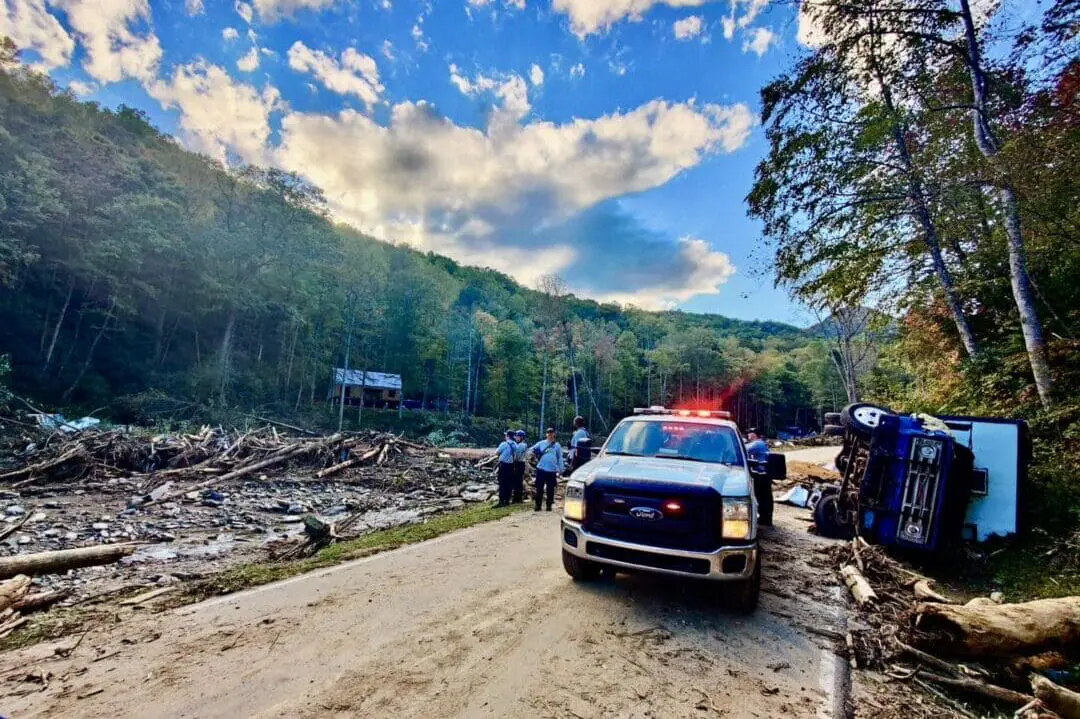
column 648, row 559
column 921, row 491
column 694, row 527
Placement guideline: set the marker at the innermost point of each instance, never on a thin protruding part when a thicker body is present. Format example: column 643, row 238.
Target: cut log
column 925, row 593
column 146, row 596
column 13, row 590
column 41, row 600
column 1062, row 701
column 347, row 463
column 860, row 588
column 974, row 686
column 335, row 468
column 63, row 560
column 1001, row 630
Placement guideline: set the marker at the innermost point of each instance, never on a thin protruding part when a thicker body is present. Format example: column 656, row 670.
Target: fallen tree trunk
column 991, row 691
column 63, row 560
column 1062, row 701
column 34, row 602
column 987, row 629
column 860, row 588
column 334, row 469
column 13, row 590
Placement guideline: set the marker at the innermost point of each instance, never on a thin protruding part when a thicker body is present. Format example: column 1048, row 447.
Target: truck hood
column 728, row 481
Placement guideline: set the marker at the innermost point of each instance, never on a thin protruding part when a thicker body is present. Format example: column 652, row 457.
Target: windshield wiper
column 678, row 456
column 624, row 454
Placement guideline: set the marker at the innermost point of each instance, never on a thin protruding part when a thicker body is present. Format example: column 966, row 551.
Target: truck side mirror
column 776, row 466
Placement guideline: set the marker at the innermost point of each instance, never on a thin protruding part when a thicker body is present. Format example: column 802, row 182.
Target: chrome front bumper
column 738, row 561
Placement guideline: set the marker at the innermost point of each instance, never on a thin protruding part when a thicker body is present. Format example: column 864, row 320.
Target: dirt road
column 482, row 622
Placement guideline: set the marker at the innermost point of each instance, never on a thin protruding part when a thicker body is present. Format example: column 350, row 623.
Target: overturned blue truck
column 919, row 483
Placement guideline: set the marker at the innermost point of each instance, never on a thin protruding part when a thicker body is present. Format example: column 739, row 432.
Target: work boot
column 536, row 508
column 549, row 506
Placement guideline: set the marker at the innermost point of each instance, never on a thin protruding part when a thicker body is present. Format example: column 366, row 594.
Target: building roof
column 374, row 380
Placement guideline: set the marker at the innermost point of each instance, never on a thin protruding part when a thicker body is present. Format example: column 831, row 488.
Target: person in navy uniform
column 756, row 448
column 505, row 452
column 549, row 463
column 580, row 445
column 521, row 450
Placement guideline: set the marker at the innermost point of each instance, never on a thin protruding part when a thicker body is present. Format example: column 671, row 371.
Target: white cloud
column 760, row 40
column 355, row 73
column 229, row 34
column 516, row 4
column 753, row 9
column 597, row 16
column 509, row 88
column 272, row 10
column 217, row 113
column 193, row 7
column 249, row 62
column 577, row 71
column 418, row 35
column 82, row 89
column 688, row 27
column 114, row 49
column 469, row 192
column 31, row 27
column 387, row 50
column 536, row 75
column 245, row 11
column 618, row 67
column 729, row 27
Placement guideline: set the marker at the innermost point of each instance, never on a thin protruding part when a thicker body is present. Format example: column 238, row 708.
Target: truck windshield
column 697, row 442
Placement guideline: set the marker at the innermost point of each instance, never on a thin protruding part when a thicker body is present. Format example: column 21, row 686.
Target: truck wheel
column 832, row 418
column 863, row 417
column 827, row 518
column 742, row 596
column 580, row 570
column 832, row 430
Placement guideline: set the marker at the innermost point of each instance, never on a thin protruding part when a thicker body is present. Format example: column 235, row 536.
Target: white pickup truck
column 671, row 492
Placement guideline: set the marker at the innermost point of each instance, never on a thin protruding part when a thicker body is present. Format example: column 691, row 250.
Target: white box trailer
column 1002, row 449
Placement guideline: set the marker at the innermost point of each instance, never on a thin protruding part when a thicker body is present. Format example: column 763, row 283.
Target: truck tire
column 832, row 418
column 580, row 570
column 863, row 417
column 832, row 430
column 827, row 518
column 742, row 596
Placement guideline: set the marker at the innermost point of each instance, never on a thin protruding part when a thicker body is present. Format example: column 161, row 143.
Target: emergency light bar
column 708, row 413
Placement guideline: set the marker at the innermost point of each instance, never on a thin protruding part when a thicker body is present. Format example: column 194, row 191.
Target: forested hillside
column 140, row 278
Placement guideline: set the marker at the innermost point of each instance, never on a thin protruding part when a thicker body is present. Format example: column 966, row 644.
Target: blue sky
column 609, row 141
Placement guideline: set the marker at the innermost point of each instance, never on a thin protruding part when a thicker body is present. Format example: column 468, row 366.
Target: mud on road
column 482, row 622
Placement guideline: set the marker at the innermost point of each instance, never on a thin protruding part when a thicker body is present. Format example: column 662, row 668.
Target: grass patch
column 256, row 574
column 55, row 624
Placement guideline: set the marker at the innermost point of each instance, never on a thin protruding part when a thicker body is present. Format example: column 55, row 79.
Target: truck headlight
column 735, row 523
column 574, row 504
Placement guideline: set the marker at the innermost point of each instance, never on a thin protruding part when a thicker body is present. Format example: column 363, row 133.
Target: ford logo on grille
column 647, row 513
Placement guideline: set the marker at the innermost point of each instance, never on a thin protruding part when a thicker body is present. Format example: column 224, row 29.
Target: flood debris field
column 189, row 505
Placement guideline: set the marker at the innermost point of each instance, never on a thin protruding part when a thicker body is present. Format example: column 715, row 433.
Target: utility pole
column 345, row 369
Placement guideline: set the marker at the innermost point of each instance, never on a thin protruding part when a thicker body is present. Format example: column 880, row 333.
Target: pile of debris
column 190, row 505
column 1021, row 655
